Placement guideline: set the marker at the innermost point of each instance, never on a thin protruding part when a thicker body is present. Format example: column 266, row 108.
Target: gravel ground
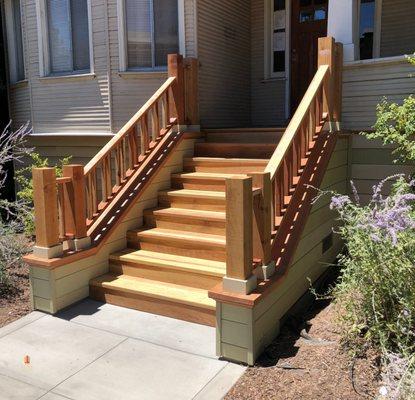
column 16, row 302
column 308, row 366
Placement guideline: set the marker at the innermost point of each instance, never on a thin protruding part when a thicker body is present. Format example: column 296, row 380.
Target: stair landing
column 179, row 254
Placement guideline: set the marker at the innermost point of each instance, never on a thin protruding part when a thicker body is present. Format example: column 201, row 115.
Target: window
column 277, row 39
column 68, row 36
column 15, row 40
column 366, row 28
column 151, row 32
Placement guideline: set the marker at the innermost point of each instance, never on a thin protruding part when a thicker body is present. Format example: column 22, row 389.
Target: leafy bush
column 23, row 178
column 377, row 286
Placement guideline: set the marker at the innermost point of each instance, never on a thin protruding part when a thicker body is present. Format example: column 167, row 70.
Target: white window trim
column 122, row 38
column 377, row 29
column 43, row 42
column 268, row 45
column 11, row 43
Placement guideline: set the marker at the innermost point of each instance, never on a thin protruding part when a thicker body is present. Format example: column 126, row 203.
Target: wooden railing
column 69, row 210
column 266, row 212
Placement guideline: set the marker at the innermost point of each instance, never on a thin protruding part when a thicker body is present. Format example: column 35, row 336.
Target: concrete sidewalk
column 98, row 351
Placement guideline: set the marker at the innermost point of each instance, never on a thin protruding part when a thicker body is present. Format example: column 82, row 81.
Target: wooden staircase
column 179, row 254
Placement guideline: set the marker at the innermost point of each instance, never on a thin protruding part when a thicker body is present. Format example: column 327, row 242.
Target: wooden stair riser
column 162, row 274
column 244, row 137
column 181, row 247
column 155, row 306
column 198, row 184
column 186, row 224
column 234, row 167
column 193, row 203
column 235, row 150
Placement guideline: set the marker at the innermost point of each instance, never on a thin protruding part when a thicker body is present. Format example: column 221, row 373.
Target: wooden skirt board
column 154, row 306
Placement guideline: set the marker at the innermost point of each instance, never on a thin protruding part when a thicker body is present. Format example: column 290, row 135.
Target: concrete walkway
column 98, row 351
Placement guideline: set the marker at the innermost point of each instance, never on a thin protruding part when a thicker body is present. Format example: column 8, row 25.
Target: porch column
column 343, row 26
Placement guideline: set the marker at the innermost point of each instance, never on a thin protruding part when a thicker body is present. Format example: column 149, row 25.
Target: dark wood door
column 308, row 23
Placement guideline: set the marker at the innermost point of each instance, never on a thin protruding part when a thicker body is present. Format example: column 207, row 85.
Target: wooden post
column 75, row 212
column 239, row 276
column 262, row 217
column 45, row 202
column 338, row 83
column 326, row 56
column 175, row 69
column 191, row 77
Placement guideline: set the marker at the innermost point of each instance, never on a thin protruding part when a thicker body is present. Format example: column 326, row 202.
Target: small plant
column 377, row 286
column 23, row 178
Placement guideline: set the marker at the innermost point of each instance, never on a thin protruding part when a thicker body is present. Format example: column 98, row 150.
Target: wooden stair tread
column 222, row 160
column 205, row 194
column 246, row 129
column 188, row 213
column 206, row 175
column 164, row 260
column 155, row 289
column 174, row 235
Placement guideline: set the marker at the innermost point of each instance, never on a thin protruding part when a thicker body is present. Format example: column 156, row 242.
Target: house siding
column 223, row 37
column 267, row 96
column 19, row 98
column 397, row 28
column 365, row 84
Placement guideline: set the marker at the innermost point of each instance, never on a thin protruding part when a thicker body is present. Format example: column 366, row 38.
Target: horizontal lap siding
column 19, row 97
column 268, row 96
column 70, row 105
column 224, row 55
column 372, row 162
column 366, row 84
column 398, row 28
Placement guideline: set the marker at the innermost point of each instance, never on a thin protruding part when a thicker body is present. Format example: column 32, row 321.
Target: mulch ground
column 307, row 362
column 15, row 302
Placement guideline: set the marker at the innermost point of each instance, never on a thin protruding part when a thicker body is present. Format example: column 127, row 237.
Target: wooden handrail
column 297, row 120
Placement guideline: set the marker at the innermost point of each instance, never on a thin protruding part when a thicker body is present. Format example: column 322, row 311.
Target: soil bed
column 15, row 303
column 307, row 362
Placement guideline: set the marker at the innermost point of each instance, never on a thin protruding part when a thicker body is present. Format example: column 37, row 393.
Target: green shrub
column 23, row 177
column 376, row 290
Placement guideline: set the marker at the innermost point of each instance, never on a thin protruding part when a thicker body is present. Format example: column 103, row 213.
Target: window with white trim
column 15, row 40
column 151, row 32
column 68, row 36
column 276, row 38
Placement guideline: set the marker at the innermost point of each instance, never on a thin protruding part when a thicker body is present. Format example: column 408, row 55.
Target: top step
column 244, row 135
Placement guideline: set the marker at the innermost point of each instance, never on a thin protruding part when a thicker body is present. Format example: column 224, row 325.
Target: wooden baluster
column 312, row 121
column 144, row 135
column 296, row 153
column 132, row 144
column 61, row 211
column 92, row 183
column 155, row 122
column 279, row 192
column 118, row 176
column 105, row 180
column 166, row 109
column 286, row 177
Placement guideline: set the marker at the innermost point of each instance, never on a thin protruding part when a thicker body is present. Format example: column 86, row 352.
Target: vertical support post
column 45, row 199
column 175, row 69
column 326, row 53
column 191, row 77
column 75, row 212
column 338, row 84
column 262, row 223
column 239, row 277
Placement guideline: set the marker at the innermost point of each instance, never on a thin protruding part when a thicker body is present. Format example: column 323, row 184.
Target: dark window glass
column 320, row 14
column 366, row 28
column 305, row 3
column 306, row 16
column 279, row 5
column 279, row 61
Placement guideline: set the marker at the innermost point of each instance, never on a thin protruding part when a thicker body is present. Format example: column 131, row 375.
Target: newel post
column 176, row 69
column 75, row 212
column 262, row 224
column 45, row 200
column 331, row 53
column 239, row 253
column 191, row 78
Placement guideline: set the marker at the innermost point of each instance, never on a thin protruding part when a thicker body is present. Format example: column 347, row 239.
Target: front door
column 308, row 23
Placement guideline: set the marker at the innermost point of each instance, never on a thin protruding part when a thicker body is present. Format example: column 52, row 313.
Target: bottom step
column 176, row 301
